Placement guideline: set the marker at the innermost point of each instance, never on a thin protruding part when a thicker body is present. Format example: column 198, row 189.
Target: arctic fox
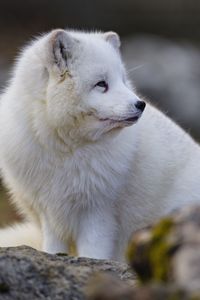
column 75, row 154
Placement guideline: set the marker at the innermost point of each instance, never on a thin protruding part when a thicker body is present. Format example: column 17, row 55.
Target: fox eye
column 102, row 85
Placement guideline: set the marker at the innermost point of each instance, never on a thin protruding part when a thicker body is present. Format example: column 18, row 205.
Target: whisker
column 135, row 68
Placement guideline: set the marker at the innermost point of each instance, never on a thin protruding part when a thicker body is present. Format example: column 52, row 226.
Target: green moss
column 151, row 258
column 162, row 229
column 4, row 288
column 138, row 256
column 62, row 254
column 131, row 251
column 160, row 250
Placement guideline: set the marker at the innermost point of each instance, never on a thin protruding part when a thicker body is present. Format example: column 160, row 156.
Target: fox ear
column 113, row 38
column 62, row 48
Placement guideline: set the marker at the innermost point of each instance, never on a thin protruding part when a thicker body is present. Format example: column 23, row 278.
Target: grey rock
column 186, row 260
column 168, row 253
column 28, row 274
column 108, row 288
column 165, row 255
column 186, row 267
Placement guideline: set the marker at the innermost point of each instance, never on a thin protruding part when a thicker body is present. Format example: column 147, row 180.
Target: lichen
column 160, row 250
column 4, row 288
column 61, row 254
column 138, row 256
column 151, row 258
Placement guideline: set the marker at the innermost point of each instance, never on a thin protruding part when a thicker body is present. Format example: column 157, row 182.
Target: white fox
column 75, row 156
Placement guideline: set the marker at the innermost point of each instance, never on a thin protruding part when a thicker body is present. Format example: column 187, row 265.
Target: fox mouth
column 122, row 122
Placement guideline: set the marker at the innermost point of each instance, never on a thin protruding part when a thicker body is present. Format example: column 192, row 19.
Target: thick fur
column 69, row 157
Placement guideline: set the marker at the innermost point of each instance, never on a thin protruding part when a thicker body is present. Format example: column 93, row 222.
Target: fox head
column 80, row 82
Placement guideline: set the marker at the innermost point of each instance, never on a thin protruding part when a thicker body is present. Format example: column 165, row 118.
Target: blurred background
column 160, row 46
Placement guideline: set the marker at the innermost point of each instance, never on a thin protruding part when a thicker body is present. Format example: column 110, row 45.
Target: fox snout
column 136, row 108
column 135, row 111
column 140, row 105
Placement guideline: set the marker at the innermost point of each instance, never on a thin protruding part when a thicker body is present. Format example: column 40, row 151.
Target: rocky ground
column 28, row 274
column 165, row 257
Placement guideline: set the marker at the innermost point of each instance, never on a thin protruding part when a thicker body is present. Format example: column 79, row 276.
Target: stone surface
column 165, row 256
column 28, row 274
column 169, row 251
column 106, row 287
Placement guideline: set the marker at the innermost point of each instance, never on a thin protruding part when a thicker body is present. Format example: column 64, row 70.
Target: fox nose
column 140, row 105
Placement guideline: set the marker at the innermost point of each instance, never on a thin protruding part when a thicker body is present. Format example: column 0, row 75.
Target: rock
column 168, row 253
column 150, row 251
column 168, row 74
column 106, row 287
column 28, row 274
column 186, row 261
column 186, row 267
column 166, row 257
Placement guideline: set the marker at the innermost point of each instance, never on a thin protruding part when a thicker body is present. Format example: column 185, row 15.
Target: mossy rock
column 4, row 288
column 150, row 252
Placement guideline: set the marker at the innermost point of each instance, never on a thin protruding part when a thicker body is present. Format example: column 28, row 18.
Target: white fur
column 74, row 174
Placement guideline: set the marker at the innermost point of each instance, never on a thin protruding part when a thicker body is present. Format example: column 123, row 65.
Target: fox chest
column 82, row 186
column 73, row 184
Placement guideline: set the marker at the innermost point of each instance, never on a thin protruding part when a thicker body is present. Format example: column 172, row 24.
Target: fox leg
column 97, row 235
column 51, row 242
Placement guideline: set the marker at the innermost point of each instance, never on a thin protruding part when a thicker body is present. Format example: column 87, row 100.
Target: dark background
column 173, row 18
column 160, row 46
